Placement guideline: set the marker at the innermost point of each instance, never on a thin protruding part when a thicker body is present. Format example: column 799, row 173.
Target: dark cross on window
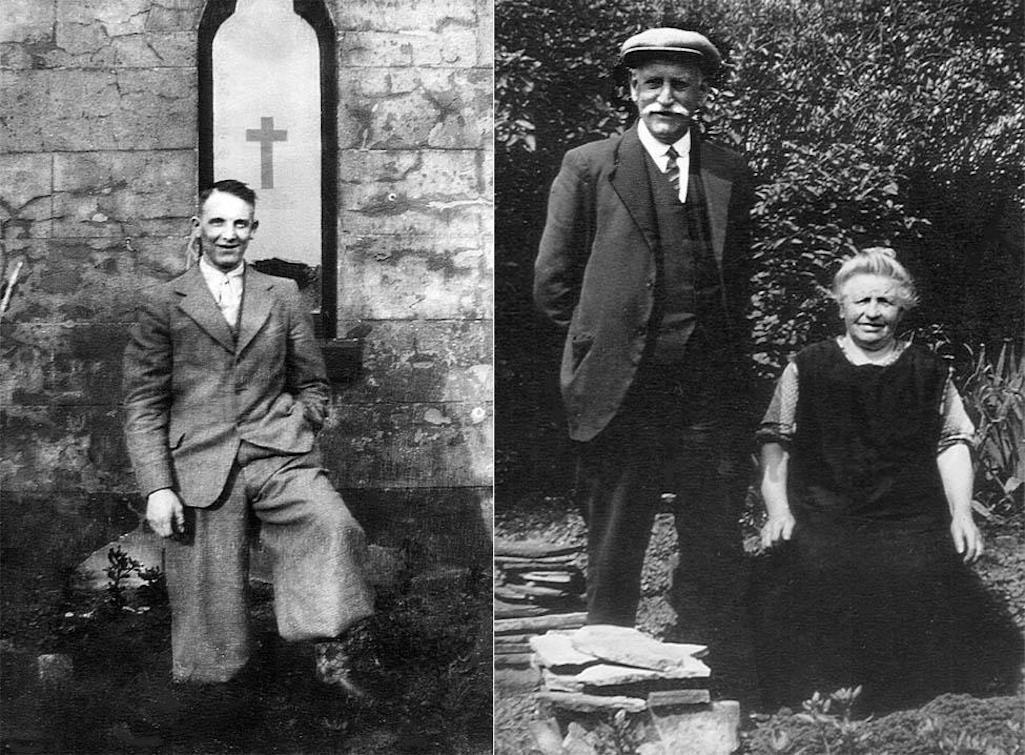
column 266, row 135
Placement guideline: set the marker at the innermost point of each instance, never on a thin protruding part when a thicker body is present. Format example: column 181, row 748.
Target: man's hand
column 779, row 527
column 165, row 513
column 967, row 538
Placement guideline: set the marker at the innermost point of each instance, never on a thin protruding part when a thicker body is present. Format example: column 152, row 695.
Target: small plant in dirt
column 837, row 731
column 120, row 569
column 825, row 725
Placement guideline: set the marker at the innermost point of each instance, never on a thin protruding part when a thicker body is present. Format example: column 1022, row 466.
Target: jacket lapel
column 718, row 188
column 198, row 303
column 630, row 180
column 256, row 306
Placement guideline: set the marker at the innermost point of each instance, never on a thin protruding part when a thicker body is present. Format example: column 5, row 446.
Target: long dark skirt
column 886, row 606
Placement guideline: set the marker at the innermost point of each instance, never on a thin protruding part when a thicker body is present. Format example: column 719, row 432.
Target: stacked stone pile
column 663, row 686
column 538, row 587
column 603, row 667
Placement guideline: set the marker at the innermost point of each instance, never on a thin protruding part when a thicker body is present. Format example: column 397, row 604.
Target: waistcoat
column 687, row 278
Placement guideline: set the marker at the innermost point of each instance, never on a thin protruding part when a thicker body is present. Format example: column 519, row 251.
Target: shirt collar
column 212, row 273
column 658, row 149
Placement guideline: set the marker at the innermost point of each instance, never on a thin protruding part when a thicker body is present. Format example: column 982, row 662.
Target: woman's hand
column 967, row 538
column 779, row 527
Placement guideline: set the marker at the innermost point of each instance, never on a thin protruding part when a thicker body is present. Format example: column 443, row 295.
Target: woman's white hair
column 877, row 260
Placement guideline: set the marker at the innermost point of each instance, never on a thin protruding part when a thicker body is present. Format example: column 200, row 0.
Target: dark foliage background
column 887, row 122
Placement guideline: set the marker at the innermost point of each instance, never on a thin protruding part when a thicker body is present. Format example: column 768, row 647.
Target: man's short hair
column 229, row 186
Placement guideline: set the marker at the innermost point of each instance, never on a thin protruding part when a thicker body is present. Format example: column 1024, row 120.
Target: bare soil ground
column 977, row 722
column 429, row 664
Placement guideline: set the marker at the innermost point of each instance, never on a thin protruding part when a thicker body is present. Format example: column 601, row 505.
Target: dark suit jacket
column 191, row 394
column 595, row 273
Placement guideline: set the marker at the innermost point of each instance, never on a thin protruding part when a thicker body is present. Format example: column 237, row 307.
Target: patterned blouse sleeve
column 780, row 421
column 957, row 426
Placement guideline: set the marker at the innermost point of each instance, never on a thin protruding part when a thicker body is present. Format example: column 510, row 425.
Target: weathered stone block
column 83, row 110
column 174, row 15
column 397, row 15
column 485, row 33
column 64, row 364
column 433, row 525
column 27, row 21
column 25, row 195
column 711, row 729
column 408, row 108
column 415, row 277
column 428, row 192
column 51, row 450
column 95, row 280
column 424, row 361
column 423, row 48
column 123, row 194
column 410, row 445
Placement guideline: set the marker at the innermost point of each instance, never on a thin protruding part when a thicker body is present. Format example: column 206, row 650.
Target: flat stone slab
column 672, row 697
column 606, row 674
column 540, row 623
column 629, row 647
column 547, row 577
column 556, row 649
column 533, row 548
column 578, row 701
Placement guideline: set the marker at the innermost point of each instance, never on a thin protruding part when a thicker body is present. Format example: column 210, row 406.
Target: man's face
column 225, row 226
column 667, row 94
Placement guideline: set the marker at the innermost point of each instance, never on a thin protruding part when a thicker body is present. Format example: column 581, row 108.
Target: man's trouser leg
column 618, row 481
column 208, row 586
column 318, row 549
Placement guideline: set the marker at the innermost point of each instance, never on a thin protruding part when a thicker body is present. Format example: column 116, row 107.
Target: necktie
column 673, row 169
column 228, row 301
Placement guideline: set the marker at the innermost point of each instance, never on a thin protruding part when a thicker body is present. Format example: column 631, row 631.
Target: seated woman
column 867, row 480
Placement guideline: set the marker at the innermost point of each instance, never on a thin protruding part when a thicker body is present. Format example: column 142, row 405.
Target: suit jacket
column 596, row 270
column 192, row 392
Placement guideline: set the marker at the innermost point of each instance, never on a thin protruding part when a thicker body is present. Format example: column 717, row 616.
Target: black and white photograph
column 247, row 392
column 759, row 373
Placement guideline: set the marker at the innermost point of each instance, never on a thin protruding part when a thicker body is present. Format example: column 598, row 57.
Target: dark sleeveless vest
column 687, row 286
column 865, row 446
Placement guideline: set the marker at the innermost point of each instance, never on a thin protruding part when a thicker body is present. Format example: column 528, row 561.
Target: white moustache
column 674, row 109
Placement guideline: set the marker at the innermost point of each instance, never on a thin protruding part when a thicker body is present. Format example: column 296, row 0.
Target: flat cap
column 670, row 43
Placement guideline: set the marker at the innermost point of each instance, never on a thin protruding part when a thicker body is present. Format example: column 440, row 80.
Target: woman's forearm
column 775, row 460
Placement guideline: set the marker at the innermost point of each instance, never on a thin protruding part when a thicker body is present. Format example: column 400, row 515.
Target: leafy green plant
column 949, row 740
column 994, row 395
column 838, row 732
column 121, row 567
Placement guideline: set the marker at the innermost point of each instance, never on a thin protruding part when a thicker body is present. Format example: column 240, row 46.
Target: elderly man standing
column 224, row 393
column 643, row 263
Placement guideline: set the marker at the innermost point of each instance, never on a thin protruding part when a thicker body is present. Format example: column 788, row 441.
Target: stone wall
column 98, row 177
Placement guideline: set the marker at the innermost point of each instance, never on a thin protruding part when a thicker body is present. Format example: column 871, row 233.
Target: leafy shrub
column 994, row 396
column 872, row 123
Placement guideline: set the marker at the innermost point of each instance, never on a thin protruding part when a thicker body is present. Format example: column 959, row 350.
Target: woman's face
column 870, row 306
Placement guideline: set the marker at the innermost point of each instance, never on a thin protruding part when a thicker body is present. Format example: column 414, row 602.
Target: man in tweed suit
column 224, row 393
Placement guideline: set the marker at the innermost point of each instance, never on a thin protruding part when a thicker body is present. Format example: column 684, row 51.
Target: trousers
column 318, row 555
column 678, row 432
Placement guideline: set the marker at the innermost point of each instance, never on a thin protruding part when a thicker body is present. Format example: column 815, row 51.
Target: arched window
column 267, row 116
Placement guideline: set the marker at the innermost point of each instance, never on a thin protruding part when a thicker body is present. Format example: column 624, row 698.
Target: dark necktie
column 673, row 170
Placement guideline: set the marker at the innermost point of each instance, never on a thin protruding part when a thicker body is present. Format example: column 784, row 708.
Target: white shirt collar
column 658, row 149
column 214, row 274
